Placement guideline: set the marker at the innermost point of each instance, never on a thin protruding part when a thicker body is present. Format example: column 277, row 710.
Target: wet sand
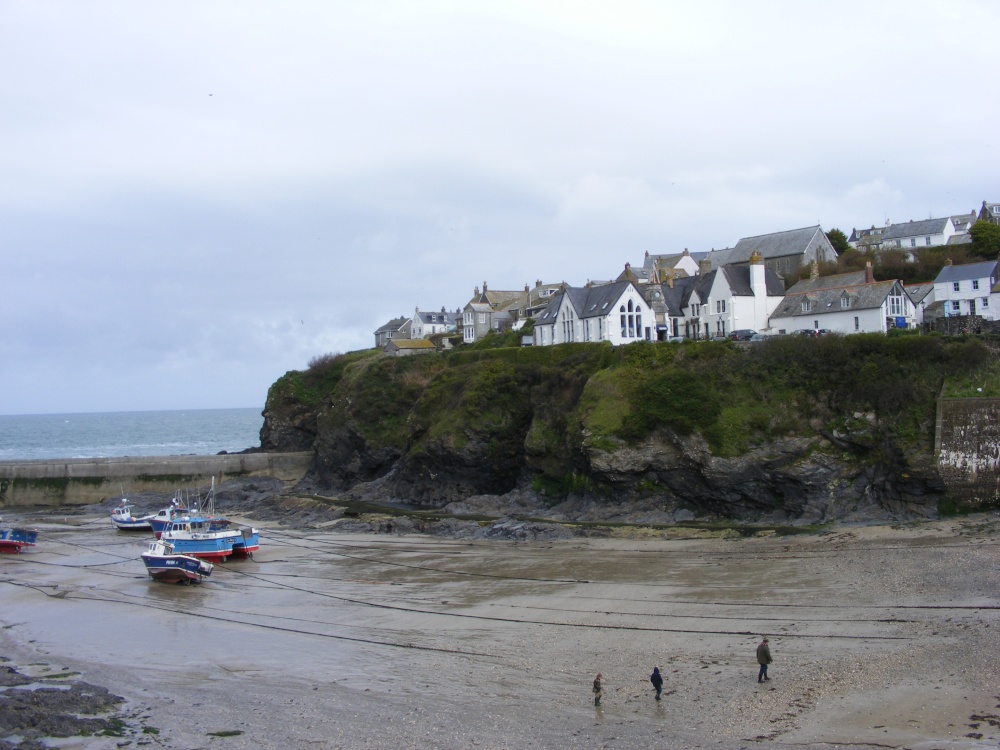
column 881, row 637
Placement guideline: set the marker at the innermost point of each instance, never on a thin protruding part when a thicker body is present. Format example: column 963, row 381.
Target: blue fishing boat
column 13, row 538
column 123, row 519
column 164, row 564
column 194, row 535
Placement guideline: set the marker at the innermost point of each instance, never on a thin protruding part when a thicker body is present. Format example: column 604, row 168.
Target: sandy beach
column 882, row 636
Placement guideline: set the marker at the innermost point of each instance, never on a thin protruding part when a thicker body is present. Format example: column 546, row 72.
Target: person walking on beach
column 763, row 658
column 657, row 681
column 597, row 689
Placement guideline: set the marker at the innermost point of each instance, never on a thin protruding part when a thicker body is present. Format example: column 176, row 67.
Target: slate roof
column 967, row 271
column 393, row 325
column 432, row 318
column 738, row 278
column 836, row 281
column 918, row 292
column 915, row 228
column 588, row 302
column 826, row 299
column 776, row 245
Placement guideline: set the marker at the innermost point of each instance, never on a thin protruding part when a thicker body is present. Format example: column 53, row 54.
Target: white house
column 731, row 298
column 612, row 312
column 424, row 324
column 490, row 310
column 916, row 234
column 967, row 289
column 845, row 303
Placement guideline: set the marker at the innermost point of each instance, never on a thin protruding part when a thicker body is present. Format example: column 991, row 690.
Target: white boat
column 123, row 519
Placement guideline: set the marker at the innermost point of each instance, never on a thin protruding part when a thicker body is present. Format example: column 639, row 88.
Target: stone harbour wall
column 83, row 481
column 967, row 445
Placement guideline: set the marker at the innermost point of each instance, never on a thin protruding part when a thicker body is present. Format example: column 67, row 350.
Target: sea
column 200, row 432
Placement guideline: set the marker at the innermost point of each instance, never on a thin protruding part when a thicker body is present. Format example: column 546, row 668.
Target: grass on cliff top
column 549, row 399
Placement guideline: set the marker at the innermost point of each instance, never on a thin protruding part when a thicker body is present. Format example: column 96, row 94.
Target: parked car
column 760, row 337
column 743, row 334
column 809, row 332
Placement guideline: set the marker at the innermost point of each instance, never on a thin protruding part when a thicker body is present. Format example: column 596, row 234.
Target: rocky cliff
column 792, row 430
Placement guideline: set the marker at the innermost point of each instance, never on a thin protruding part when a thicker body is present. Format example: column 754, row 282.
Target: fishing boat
column 164, row 564
column 13, row 538
column 123, row 519
column 194, row 536
column 159, row 520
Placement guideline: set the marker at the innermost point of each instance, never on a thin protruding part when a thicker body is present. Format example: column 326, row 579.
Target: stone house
column 408, row 347
column 397, row 328
column 783, row 252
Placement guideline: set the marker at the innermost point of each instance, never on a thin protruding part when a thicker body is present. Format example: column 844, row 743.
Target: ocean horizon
column 119, row 434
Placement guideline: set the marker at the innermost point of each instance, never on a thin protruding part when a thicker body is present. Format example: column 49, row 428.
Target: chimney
column 442, row 308
column 704, row 266
column 685, row 252
column 647, row 253
column 814, row 269
column 627, row 265
column 758, row 282
column 948, row 262
column 526, row 289
column 670, row 277
column 484, row 287
column 475, row 291
column 538, row 282
column 869, row 273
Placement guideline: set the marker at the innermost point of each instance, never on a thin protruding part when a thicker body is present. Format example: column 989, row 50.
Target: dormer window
column 845, row 302
column 806, row 307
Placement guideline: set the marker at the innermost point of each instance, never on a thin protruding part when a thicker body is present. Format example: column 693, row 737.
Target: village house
column 783, row 252
column 490, row 310
column 967, row 289
column 397, row 328
column 867, row 239
column 990, row 212
column 844, row 303
column 730, row 298
column 426, row 324
column 912, row 235
column 610, row 312
column 922, row 297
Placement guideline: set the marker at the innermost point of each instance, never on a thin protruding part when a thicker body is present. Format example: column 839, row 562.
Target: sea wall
column 83, row 481
column 967, row 444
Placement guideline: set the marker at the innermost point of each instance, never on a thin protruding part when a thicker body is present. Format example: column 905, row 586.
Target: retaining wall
column 967, row 444
column 83, row 481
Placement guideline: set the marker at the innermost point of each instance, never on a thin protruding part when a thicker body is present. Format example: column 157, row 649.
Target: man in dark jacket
column 657, row 681
column 763, row 658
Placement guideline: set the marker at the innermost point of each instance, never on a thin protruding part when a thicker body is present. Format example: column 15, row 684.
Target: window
column 975, row 283
column 857, row 324
column 954, row 286
column 720, row 306
column 631, row 320
column 927, row 240
column 895, row 305
column 955, row 306
column 913, row 242
column 482, row 317
column 805, row 306
column 986, row 302
column 845, row 302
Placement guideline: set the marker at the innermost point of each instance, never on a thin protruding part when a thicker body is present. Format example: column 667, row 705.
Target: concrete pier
column 81, row 481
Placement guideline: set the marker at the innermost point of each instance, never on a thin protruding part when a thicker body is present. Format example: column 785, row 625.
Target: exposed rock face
column 662, row 479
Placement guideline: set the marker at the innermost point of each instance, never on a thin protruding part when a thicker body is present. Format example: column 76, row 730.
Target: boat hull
column 176, row 568
column 246, row 543
column 12, row 540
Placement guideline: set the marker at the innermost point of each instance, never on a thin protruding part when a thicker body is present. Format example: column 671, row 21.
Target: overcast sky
column 196, row 197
